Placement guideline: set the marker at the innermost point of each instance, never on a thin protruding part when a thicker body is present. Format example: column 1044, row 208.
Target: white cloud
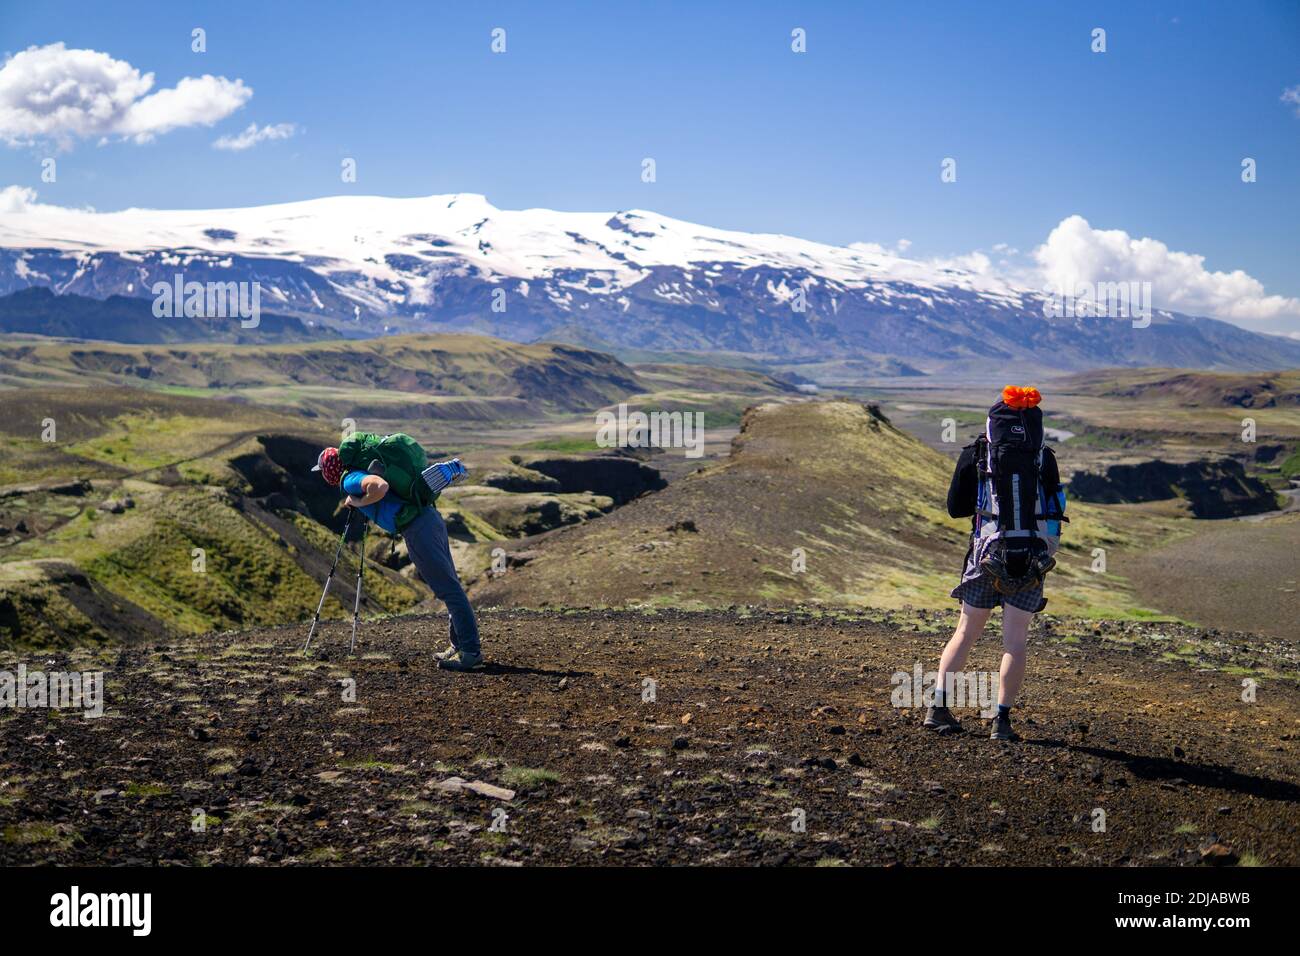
column 976, row 262
column 1076, row 252
column 61, row 95
column 22, row 199
column 1291, row 97
column 16, row 199
column 252, row 135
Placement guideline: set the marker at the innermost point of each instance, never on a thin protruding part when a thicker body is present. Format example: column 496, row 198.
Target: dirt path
column 754, row 720
column 1290, row 503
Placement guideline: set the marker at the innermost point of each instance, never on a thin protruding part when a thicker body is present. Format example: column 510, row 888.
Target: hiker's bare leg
column 963, row 639
column 1015, row 635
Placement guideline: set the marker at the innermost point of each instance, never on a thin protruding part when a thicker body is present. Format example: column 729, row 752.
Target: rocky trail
column 603, row 737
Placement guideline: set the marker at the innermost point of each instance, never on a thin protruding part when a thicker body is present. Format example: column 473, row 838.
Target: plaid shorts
column 978, row 591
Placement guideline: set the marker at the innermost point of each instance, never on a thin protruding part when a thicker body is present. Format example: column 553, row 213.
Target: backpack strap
column 982, row 512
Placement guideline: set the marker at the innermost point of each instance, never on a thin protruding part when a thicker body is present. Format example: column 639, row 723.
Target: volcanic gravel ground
column 756, row 716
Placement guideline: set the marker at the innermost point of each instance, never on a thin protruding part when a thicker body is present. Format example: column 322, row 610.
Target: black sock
column 1004, row 710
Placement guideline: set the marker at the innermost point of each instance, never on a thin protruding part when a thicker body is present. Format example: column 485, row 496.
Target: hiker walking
column 1007, row 482
column 386, row 479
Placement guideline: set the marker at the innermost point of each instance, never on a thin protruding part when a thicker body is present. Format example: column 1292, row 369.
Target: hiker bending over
column 425, row 534
column 1008, row 484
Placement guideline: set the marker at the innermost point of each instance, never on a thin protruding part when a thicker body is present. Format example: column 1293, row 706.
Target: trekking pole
column 328, row 578
column 356, row 604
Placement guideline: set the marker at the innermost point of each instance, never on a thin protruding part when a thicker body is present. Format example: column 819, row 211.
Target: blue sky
column 840, row 144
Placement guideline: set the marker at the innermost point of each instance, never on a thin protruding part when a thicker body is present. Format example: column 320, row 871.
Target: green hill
column 1216, row 389
column 861, row 499
column 427, row 376
column 38, row 311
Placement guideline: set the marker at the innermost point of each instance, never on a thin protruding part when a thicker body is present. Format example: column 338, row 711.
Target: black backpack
column 1020, row 504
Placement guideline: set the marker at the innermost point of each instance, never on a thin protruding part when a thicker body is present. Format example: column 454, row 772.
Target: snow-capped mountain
column 632, row 279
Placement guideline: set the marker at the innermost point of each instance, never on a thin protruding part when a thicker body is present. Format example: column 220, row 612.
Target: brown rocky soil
column 757, row 714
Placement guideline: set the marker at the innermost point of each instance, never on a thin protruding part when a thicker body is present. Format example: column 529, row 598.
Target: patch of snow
column 358, row 233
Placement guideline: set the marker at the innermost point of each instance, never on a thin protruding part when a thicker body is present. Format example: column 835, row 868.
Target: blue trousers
column 426, row 540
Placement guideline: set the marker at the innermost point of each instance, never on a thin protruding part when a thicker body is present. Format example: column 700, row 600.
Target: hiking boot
column 1000, row 728
column 461, row 661
column 942, row 720
column 446, row 655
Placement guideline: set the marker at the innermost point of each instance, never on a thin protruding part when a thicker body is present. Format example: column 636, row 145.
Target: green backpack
column 401, row 459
